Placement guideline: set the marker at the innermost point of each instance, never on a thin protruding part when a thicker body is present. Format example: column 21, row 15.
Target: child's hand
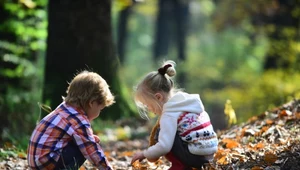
column 137, row 156
column 153, row 160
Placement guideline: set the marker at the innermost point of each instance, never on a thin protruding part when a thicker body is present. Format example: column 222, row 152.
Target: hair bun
column 163, row 70
column 167, row 68
column 171, row 71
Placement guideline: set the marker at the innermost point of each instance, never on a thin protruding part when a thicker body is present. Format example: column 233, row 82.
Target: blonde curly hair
column 88, row 86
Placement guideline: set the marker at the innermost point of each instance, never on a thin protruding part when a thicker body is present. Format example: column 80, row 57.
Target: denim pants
column 71, row 157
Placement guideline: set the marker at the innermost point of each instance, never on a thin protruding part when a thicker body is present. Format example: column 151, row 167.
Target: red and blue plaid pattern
column 54, row 132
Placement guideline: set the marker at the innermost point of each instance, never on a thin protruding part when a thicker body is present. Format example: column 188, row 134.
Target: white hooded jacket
column 175, row 107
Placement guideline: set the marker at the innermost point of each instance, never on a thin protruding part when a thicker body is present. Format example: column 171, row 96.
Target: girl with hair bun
column 183, row 132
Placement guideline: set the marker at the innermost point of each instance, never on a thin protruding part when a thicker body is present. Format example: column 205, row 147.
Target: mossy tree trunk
column 79, row 38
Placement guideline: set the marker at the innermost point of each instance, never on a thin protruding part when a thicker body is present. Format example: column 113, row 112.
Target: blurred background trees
column 245, row 51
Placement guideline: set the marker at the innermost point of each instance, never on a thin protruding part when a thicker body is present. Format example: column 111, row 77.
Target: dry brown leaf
column 126, row 153
column 285, row 113
column 230, row 143
column 136, row 164
column 297, row 115
column 243, row 131
column 253, row 119
column 22, row 155
column 82, row 168
column 223, row 161
column 140, row 165
column 260, row 145
column 269, row 122
column 264, row 129
column 270, row 158
column 107, row 153
column 257, row 168
column 220, row 153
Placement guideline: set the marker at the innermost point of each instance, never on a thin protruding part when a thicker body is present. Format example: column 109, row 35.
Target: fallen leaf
column 223, row 161
column 269, row 122
column 82, row 168
column 260, row 145
column 270, row 158
column 22, row 155
column 230, row 143
column 257, row 168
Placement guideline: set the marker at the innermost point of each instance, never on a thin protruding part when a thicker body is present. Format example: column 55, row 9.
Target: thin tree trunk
column 122, row 33
column 171, row 25
column 163, row 29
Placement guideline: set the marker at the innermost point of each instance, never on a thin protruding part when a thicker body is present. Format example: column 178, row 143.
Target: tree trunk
column 122, row 32
column 79, row 38
column 171, row 24
column 163, row 29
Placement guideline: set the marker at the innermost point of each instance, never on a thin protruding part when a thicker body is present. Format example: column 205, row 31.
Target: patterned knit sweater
column 197, row 131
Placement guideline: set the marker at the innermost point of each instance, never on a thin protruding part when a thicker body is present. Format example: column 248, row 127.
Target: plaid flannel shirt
column 54, row 132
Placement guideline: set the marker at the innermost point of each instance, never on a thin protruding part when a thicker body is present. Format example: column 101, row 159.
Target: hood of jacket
column 184, row 102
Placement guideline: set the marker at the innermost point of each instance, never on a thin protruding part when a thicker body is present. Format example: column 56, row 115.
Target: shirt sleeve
column 168, row 128
column 90, row 148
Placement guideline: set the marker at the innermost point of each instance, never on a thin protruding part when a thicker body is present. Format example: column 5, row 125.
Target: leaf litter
column 270, row 141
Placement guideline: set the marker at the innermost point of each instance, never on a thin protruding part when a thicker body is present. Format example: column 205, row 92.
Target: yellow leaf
column 28, row 3
column 230, row 113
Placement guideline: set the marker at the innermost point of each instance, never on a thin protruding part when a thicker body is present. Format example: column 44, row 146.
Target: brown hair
column 88, row 86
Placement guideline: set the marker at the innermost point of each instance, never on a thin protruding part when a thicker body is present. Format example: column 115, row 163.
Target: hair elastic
column 164, row 69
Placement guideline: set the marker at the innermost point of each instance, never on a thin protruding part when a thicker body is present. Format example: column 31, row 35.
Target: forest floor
column 270, row 141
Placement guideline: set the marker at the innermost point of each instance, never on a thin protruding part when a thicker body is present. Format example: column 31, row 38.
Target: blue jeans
column 71, row 157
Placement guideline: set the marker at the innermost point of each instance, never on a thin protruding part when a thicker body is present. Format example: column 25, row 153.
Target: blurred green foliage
column 225, row 59
column 23, row 29
column 224, row 62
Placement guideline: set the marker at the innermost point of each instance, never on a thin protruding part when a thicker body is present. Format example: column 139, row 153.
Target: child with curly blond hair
column 64, row 139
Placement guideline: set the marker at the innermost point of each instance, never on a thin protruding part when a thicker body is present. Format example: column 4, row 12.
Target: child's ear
column 90, row 103
column 159, row 97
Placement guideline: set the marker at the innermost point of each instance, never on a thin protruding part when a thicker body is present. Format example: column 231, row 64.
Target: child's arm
column 168, row 128
column 90, row 147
